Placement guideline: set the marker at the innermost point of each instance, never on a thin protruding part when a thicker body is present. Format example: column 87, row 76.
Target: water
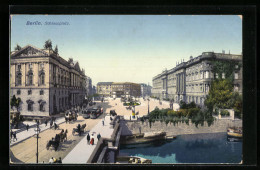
column 199, row 148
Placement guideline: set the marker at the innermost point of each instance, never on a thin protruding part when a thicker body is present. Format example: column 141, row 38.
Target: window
column 19, row 67
column 30, row 106
column 41, row 65
column 30, row 78
column 19, row 78
column 207, row 74
column 41, row 92
column 236, row 75
column 18, row 92
column 42, row 78
column 223, row 75
column 42, row 108
column 29, row 92
column 216, row 75
column 30, row 66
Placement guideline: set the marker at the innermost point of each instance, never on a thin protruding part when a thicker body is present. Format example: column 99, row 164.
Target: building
column 190, row 81
column 145, row 90
column 104, row 89
column 46, row 83
column 118, row 89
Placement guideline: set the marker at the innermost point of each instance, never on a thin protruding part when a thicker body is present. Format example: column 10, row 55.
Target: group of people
column 90, row 139
column 54, row 160
column 13, row 136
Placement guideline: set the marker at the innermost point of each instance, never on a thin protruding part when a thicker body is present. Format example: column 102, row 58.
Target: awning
column 30, row 101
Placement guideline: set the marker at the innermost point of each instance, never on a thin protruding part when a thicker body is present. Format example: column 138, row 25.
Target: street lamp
column 148, row 106
column 37, row 131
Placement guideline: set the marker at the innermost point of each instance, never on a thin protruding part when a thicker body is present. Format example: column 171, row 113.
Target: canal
column 197, row 148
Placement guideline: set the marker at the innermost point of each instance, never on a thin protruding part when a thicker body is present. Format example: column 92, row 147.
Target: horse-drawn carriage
column 71, row 116
column 55, row 142
column 79, row 129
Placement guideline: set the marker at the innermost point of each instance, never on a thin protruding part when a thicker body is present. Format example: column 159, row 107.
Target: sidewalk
column 82, row 151
column 24, row 134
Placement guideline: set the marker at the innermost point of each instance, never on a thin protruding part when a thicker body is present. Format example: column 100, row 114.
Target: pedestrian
column 46, row 123
column 27, row 127
column 66, row 119
column 98, row 136
column 79, row 129
column 51, row 160
column 14, row 134
column 92, row 139
column 55, row 126
column 51, row 123
column 103, row 121
column 59, row 161
column 88, row 138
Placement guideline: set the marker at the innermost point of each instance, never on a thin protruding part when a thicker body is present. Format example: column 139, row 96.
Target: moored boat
column 236, row 132
column 132, row 160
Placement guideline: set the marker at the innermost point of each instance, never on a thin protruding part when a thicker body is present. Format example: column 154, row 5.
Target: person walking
column 103, row 121
column 66, row 120
column 46, row 123
column 14, row 136
column 55, row 126
column 98, row 136
column 88, row 138
column 12, row 133
column 92, row 139
column 59, row 161
column 78, row 127
column 27, row 127
column 51, row 123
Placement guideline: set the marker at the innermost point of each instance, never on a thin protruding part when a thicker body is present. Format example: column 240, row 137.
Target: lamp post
column 37, row 131
column 148, row 106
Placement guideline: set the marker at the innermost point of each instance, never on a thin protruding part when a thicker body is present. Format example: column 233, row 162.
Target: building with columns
column 190, row 81
column 46, row 83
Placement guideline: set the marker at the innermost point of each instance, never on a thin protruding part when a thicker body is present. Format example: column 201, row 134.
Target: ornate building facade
column 118, row 89
column 190, row 81
column 145, row 90
column 46, row 83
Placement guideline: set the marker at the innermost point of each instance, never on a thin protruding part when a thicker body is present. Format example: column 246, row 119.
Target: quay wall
column 135, row 127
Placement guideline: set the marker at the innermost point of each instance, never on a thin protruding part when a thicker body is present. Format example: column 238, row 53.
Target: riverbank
column 137, row 127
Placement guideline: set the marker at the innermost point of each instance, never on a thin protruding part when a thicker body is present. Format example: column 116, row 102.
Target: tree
column 56, row 51
column 48, row 45
column 18, row 47
column 219, row 94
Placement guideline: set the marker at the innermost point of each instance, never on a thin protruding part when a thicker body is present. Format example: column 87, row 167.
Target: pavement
column 23, row 134
column 82, row 151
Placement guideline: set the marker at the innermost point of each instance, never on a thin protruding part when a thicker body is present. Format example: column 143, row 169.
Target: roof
column 104, row 83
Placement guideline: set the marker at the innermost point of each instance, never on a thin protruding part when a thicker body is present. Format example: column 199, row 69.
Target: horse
column 64, row 135
column 54, row 142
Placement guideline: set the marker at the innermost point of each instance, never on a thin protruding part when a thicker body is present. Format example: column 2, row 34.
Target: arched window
column 30, row 78
column 30, row 105
column 42, row 78
column 19, row 79
column 42, row 105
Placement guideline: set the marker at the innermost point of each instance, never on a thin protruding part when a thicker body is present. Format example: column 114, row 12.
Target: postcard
column 126, row 89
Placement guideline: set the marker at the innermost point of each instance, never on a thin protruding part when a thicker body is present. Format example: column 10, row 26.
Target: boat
column 235, row 132
column 170, row 137
column 132, row 160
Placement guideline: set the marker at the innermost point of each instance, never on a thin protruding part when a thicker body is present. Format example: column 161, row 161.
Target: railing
column 99, row 152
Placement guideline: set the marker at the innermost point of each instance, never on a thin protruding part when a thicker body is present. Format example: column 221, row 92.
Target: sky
column 132, row 48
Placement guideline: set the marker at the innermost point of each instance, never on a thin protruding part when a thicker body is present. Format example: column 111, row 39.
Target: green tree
column 18, row 47
column 219, row 94
column 48, row 45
